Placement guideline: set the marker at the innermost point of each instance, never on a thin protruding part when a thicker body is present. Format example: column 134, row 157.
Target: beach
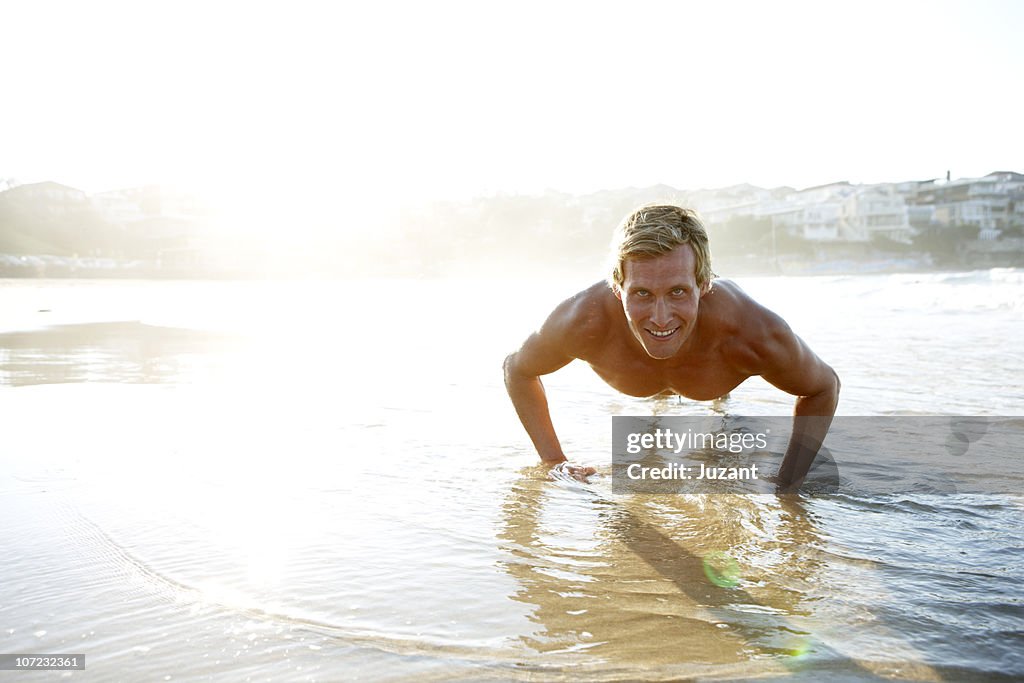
column 324, row 480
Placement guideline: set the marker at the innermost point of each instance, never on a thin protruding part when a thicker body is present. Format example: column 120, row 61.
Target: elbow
column 515, row 377
column 825, row 400
column 836, row 388
column 507, row 367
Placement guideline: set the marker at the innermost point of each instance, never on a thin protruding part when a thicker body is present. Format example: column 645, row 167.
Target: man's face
column 660, row 297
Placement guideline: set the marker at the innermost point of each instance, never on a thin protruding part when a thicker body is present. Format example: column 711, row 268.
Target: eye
column 641, row 293
column 680, row 291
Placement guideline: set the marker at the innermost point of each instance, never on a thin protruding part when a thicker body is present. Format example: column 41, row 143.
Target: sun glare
column 314, row 112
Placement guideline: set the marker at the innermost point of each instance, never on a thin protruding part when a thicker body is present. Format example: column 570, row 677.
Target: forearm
column 812, row 418
column 531, row 404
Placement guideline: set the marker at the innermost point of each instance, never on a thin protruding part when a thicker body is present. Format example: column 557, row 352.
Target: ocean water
column 326, row 481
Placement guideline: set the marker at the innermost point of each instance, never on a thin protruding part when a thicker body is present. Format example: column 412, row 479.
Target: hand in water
column 778, row 488
column 577, row 472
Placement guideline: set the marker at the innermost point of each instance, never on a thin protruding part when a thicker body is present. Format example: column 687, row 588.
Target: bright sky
column 384, row 101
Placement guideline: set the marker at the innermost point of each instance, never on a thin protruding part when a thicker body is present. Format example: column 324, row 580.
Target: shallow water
column 319, row 481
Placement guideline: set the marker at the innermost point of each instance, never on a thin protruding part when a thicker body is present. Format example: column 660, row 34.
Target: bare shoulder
column 575, row 329
column 730, row 304
column 748, row 332
column 582, row 322
column 763, row 344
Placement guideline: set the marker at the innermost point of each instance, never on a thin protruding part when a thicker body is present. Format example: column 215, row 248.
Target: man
column 660, row 325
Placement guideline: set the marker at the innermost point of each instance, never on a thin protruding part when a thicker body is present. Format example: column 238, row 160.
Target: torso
column 705, row 371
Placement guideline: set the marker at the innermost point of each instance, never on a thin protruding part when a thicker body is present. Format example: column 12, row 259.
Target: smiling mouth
column 663, row 334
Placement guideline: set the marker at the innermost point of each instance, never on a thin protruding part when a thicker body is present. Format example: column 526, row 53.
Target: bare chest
column 701, row 377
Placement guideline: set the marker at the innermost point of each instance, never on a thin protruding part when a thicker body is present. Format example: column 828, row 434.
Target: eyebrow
column 635, row 287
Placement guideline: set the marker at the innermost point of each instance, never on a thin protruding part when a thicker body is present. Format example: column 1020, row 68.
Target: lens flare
column 721, row 569
column 802, row 649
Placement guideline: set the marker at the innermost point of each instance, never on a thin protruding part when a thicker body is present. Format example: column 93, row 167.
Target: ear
column 617, row 291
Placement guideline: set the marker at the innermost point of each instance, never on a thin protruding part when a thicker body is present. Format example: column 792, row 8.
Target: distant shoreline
column 111, row 269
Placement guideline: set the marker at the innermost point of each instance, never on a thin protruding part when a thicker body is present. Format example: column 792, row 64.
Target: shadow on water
column 126, row 352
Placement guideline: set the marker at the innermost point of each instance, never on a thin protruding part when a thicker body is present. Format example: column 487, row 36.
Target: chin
column 662, row 354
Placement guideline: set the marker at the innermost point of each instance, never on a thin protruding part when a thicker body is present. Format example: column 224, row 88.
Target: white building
column 813, row 214
column 122, row 207
column 722, row 205
column 875, row 210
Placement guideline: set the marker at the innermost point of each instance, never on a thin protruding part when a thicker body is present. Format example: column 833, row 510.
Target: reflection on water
column 294, row 495
column 628, row 585
column 621, row 583
column 105, row 352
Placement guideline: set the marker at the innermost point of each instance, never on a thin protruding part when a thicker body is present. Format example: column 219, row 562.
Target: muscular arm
column 522, row 380
column 785, row 361
column 552, row 347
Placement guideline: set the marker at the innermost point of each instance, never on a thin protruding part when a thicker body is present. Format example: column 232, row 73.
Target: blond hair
column 657, row 229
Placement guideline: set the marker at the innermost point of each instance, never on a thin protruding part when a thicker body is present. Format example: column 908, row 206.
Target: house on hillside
column 717, row 207
column 812, row 214
column 156, row 223
column 53, row 199
column 52, row 219
column 875, row 211
column 988, row 203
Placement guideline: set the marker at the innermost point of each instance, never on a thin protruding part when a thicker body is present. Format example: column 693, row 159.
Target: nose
column 661, row 316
